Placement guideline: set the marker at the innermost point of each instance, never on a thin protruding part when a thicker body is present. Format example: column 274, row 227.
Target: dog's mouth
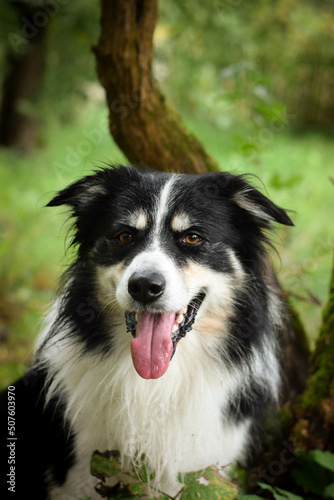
column 156, row 336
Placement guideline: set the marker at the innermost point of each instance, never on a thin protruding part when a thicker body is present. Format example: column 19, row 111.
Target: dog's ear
column 80, row 194
column 88, row 199
column 258, row 205
column 237, row 188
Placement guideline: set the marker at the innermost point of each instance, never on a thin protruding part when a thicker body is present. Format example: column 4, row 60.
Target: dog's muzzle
column 156, row 334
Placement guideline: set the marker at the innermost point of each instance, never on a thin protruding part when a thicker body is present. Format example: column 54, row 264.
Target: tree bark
column 149, row 132
column 314, row 412
column 18, row 125
column 295, row 347
column 146, row 129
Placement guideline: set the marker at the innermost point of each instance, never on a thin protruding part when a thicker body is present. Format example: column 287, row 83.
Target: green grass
column 294, row 169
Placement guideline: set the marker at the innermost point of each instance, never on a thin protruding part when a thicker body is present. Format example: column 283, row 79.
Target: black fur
column 43, row 439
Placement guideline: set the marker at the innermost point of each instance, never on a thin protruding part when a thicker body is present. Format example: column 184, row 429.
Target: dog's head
column 166, row 247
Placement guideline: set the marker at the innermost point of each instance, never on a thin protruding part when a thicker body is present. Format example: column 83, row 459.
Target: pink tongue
column 152, row 348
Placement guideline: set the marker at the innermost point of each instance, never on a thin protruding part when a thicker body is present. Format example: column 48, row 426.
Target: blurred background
column 253, row 80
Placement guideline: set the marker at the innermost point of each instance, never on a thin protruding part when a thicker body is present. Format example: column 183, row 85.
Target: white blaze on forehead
column 163, row 203
column 181, row 222
column 138, row 219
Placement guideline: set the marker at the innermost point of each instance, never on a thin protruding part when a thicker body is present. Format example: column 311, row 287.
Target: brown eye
column 192, row 239
column 125, row 237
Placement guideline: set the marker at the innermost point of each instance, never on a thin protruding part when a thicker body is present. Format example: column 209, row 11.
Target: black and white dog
column 163, row 339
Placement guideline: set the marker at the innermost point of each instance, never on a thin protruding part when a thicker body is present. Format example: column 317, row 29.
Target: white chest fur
column 176, row 421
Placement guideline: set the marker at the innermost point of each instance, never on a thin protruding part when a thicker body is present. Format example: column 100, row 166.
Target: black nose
column 146, row 288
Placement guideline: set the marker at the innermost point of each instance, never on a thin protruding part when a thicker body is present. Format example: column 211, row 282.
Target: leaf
column 280, row 494
column 323, row 458
column 105, row 465
column 309, row 474
column 329, row 491
column 266, row 486
column 207, row 485
column 276, row 495
column 249, row 497
column 289, row 495
column 136, row 488
column 113, row 492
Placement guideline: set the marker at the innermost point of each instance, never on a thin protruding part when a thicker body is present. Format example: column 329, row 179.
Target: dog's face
column 167, row 248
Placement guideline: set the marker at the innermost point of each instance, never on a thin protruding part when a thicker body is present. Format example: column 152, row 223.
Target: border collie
column 162, row 341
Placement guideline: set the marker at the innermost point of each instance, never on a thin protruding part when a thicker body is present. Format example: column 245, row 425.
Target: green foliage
column 72, row 29
column 323, row 458
column 243, row 57
column 280, row 494
column 70, row 77
column 315, row 472
column 105, row 465
column 227, row 61
column 205, row 485
column 313, row 475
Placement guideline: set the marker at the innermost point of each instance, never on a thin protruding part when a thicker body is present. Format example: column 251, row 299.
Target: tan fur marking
column 107, row 281
column 180, row 222
column 138, row 220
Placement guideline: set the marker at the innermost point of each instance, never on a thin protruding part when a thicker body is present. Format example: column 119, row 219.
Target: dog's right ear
column 89, row 199
column 81, row 193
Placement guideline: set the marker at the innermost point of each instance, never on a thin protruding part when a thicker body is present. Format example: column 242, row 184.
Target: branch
column 143, row 125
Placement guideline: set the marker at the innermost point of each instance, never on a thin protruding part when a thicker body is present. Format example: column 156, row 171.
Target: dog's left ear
column 255, row 203
column 238, row 189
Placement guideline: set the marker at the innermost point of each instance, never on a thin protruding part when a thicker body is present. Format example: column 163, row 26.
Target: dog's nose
column 146, row 288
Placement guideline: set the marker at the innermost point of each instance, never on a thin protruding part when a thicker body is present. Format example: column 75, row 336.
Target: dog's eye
column 192, row 239
column 125, row 237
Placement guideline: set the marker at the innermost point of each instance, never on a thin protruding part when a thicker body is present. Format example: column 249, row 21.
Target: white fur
column 162, row 203
column 175, row 420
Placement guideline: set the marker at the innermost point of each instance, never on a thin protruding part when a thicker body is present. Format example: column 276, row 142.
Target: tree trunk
column 25, row 61
column 143, row 125
column 314, row 413
column 296, row 351
column 149, row 132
